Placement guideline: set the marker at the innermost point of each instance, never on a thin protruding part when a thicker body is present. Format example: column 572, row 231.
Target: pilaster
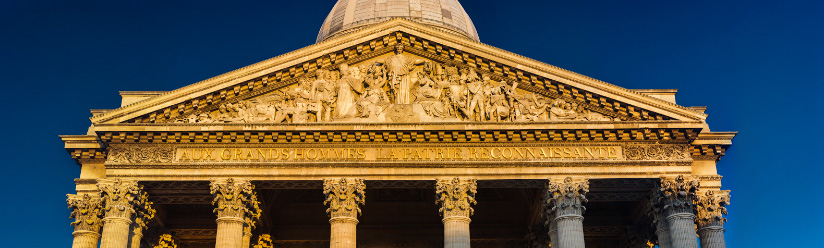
column 236, row 207
column 86, row 212
column 119, row 199
column 711, row 208
column 676, row 197
column 565, row 202
column 456, row 197
column 343, row 198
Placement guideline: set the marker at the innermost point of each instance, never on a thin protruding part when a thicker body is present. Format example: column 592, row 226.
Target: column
column 236, row 207
column 143, row 214
column 676, row 196
column 656, row 211
column 712, row 206
column 119, row 198
column 343, row 197
column 456, row 197
column 565, row 203
column 86, row 212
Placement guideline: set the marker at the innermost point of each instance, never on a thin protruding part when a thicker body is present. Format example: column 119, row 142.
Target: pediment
column 439, row 77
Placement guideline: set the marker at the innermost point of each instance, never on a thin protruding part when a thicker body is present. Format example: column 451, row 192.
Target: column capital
column 566, row 197
column 119, row 196
column 143, row 210
column 676, row 195
column 235, row 199
column 87, row 212
column 264, row 241
column 344, row 197
column 711, row 208
column 166, row 241
column 456, row 196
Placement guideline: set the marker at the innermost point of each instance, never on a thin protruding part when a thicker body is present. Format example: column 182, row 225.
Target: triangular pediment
column 439, row 77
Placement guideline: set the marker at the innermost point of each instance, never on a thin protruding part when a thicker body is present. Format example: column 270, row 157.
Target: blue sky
column 757, row 65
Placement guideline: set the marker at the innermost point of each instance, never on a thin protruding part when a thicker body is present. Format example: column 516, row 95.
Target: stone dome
column 349, row 15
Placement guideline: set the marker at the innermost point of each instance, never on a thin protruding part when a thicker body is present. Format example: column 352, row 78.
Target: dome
column 348, row 15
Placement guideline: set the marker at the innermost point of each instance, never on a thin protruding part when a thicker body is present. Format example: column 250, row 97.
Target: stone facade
column 512, row 151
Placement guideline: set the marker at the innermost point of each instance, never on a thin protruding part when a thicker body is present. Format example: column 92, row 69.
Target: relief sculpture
column 398, row 88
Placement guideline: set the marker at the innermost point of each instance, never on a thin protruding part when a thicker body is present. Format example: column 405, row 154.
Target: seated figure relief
column 425, row 90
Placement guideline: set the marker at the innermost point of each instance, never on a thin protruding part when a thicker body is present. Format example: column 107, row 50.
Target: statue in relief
column 398, row 69
column 302, row 96
column 350, row 88
column 477, row 93
column 428, row 94
column 374, row 99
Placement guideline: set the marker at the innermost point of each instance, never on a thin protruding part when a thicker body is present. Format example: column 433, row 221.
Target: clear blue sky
column 758, row 65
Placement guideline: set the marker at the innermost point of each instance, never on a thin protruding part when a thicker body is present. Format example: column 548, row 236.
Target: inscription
column 240, row 154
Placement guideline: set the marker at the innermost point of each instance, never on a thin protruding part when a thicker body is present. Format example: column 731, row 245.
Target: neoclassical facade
column 399, row 129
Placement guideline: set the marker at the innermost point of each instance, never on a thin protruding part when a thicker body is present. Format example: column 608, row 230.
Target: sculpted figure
column 428, row 94
column 477, row 96
column 349, row 90
column 374, row 98
column 457, row 93
column 398, row 68
column 325, row 94
column 562, row 110
column 302, row 96
column 498, row 107
column 531, row 107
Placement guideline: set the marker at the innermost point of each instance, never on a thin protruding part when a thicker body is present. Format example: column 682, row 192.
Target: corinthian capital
column 456, row 196
column 343, row 196
column 86, row 212
column 119, row 196
column 143, row 210
column 235, row 198
column 567, row 197
column 677, row 195
column 264, row 241
column 712, row 206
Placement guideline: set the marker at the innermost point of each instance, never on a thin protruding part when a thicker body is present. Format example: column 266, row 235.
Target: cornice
column 307, row 54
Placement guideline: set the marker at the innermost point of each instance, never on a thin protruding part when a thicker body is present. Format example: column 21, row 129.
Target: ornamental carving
column 656, row 152
column 676, row 195
column 143, row 210
column 86, row 212
column 456, row 196
column 397, row 88
column 711, row 208
column 141, row 155
column 166, row 241
column 344, row 197
column 264, row 241
column 235, row 198
column 566, row 197
column 119, row 196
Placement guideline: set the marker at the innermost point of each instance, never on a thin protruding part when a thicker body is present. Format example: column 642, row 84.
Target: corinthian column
column 344, row 197
column 565, row 206
column 656, row 211
column 712, row 206
column 676, row 196
column 143, row 214
column 86, row 212
column 119, row 198
column 236, row 207
column 456, row 197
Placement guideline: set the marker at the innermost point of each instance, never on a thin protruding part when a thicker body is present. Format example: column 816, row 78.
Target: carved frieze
column 656, row 152
column 140, row 154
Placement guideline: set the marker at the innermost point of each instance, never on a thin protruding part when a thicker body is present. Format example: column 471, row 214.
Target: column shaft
column 85, row 239
column 137, row 236
column 663, row 233
column 570, row 231
column 344, row 232
column 229, row 232
column 682, row 230
column 456, row 232
column 553, row 231
column 115, row 232
column 247, row 237
column 712, row 238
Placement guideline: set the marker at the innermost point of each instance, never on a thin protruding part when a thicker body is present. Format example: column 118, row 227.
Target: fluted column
column 565, row 206
column 86, row 212
column 553, row 229
column 143, row 214
column 236, row 207
column 656, row 211
column 344, row 197
column 676, row 196
column 119, row 198
column 711, row 208
column 456, row 197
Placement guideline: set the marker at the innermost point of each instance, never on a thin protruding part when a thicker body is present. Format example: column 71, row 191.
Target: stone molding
column 87, row 212
column 456, row 197
column 711, row 208
column 344, row 197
